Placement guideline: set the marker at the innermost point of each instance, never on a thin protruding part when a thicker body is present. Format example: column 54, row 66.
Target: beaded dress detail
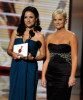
column 58, row 72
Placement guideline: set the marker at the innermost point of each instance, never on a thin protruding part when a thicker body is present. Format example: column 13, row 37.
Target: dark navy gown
column 24, row 75
column 58, row 72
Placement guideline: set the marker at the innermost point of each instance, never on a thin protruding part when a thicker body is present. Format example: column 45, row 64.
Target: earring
column 65, row 22
column 35, row 23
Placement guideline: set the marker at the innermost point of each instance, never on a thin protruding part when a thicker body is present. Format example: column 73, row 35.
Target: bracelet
column 72, row 78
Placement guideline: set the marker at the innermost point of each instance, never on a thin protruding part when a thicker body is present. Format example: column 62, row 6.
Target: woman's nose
column 28, row 19
column 57, row 21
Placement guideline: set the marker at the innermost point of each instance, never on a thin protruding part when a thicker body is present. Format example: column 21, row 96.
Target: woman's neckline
column 60, row 44
column 25, row 40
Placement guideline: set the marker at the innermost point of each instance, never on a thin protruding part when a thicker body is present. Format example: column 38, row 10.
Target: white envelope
column 21, row 49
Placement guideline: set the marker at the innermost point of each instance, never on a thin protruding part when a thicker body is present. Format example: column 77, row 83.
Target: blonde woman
column 59, row 69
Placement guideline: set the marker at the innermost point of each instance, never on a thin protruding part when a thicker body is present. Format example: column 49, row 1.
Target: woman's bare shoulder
column 40, row 35
column 15, row 32
column 72, row 35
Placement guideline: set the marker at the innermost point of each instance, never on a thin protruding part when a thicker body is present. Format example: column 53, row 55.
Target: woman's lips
column 57, row 24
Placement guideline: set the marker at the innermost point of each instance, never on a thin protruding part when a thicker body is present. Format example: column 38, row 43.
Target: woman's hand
column 71, row 82
column 29, row 57
column 15, row 55
column 43, row 82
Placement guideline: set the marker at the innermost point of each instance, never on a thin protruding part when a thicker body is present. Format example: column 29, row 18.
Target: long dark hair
column 21, row 28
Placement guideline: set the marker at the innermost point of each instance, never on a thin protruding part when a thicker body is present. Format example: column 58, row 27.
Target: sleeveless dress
column 58, row 72
column 24, row 75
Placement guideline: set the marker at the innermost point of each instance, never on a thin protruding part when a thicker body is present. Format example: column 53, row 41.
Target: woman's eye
column 60, row 19
column 30, row 17
column 25, row 17
column 54, row 19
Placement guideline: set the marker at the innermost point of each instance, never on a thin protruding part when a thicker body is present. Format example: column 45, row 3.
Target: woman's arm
column 42, row 48
column 45, row 65
column 10, row 47
column 74, row 57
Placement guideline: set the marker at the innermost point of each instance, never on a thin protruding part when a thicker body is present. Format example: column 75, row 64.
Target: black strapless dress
column 58, row 72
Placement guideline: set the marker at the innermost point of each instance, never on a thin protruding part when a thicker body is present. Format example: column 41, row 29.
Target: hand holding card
column 21, row 49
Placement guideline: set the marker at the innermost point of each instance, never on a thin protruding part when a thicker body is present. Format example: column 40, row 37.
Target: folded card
column 21, row 49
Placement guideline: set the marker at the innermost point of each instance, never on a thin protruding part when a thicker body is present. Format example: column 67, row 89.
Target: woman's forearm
column 41, row 57
column 74, row 67
column 45, row 65
column 9, row 52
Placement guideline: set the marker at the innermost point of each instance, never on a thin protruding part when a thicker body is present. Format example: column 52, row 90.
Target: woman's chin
column 58, row 28
column 30, row 26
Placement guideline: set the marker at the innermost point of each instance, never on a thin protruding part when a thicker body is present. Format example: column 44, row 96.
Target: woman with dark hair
column 24, row 70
